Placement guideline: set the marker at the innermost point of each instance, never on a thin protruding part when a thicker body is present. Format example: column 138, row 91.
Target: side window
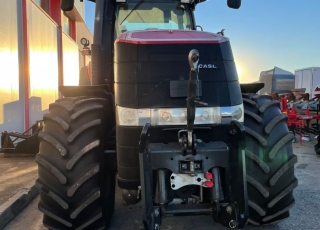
column 148, row 15
column 65, row 24
column 44, row 4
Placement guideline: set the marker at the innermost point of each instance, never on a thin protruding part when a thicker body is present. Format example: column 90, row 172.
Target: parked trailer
column 277, row 81
column 308, row 78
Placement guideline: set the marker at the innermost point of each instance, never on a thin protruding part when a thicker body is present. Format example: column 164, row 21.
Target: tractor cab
column 152, row 15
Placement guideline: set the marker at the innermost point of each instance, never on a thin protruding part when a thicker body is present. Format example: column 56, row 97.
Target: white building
column 39, row 51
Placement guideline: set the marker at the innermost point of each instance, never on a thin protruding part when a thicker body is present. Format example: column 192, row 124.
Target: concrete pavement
column 304, row 215
column 17, row 185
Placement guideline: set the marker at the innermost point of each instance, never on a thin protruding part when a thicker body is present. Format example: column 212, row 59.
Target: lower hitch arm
column 235, row 213
column 151, row 215
column 238, row 184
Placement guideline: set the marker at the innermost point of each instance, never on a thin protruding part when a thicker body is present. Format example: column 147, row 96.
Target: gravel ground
column 15, row 173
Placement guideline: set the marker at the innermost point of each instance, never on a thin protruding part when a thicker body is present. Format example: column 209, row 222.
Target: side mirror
column 235, row 4
column 67, row 5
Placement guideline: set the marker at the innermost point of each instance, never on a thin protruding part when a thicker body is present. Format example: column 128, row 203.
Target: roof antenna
column 221, row 32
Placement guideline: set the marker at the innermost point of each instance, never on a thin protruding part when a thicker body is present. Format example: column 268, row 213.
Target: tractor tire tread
column 52, row 195
column 50, row 167
column 61, row 105
column 257, row 208
column 268, row 218
column 288, row 137
column 67, row 99
column 274, row 122
column 253, row 115
column 257, row 97
column 54, row 142
column 74, row 187
column 283, row 193
column 278, row 220
column 249, row 102
column 269, row 161
column 257, row 160
column 282, row 170
column 85, row 110
column 258, row 186
column 64, row 125
column 76, row 157
column 90, row 221
column 82, row 196
column 250, row 221
column 82, row 129
column 257, row 136
column 267, row 105
column 85, row 203
column 89, row 100
column 53, row 215
column 48, row 226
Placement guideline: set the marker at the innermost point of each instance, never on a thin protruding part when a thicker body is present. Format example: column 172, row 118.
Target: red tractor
column 225, row 151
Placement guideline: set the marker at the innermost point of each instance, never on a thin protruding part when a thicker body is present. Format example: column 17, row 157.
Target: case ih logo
column 207, row 66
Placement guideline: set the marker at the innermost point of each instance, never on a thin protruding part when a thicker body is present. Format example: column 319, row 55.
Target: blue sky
column 263, row 33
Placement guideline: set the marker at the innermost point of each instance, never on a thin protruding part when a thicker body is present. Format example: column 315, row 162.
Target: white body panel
column 308, row 78
column 316, row 79
column 298, row 79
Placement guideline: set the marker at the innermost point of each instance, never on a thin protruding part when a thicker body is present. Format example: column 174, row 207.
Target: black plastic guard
column 251, row 87
column 91, row 90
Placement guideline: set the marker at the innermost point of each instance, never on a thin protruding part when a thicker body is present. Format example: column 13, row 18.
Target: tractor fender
column 251, row 87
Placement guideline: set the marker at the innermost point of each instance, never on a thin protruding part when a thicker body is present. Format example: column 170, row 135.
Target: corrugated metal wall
column 70, row 61
column 11, row 109
column 32, row 53
column 43, row 60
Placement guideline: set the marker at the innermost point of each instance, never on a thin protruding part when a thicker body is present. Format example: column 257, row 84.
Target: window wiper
column 133, row 9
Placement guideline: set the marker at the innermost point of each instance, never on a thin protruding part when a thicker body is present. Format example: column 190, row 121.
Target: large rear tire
column 77, row 190
column 269, row 159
